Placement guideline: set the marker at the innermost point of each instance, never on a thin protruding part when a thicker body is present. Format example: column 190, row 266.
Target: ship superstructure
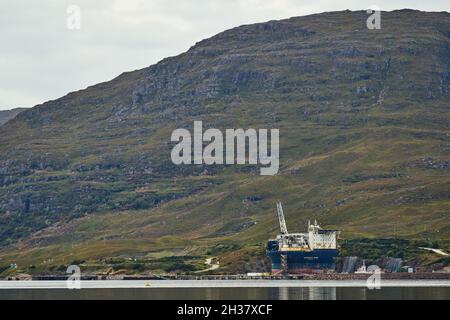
column 313, row 251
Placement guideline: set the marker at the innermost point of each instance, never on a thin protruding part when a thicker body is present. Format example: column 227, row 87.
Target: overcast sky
column 42, row 59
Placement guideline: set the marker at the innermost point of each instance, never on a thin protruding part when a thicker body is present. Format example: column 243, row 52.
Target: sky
column 44, row 55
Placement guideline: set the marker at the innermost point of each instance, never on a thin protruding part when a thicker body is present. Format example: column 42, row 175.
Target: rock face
column 6, row 115
column 349, row 102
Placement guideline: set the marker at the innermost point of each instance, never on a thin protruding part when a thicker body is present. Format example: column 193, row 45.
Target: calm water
column 439, row 293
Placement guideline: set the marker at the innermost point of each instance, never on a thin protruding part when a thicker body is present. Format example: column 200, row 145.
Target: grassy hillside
column 364, row 119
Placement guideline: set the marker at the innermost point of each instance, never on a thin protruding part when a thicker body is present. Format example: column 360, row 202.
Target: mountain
column 6, row 115
column 364, row 120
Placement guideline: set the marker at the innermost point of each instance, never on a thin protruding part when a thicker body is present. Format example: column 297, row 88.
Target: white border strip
column 124, row 284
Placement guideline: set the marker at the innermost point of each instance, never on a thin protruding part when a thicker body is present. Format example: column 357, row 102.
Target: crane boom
column 280, row 214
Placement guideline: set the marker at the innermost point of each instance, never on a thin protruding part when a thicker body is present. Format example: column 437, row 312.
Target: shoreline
column 192, row 284
column 310, row 276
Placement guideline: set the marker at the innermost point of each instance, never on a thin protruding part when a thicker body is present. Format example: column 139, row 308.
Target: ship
column 297, row 253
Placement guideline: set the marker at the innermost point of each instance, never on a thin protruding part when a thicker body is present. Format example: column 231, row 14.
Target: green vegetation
column 394, row 248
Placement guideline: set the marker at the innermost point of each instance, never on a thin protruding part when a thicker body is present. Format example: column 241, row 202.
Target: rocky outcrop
column 6, row 115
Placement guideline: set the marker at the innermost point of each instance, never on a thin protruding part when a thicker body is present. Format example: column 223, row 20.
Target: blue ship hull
column 319, row 260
